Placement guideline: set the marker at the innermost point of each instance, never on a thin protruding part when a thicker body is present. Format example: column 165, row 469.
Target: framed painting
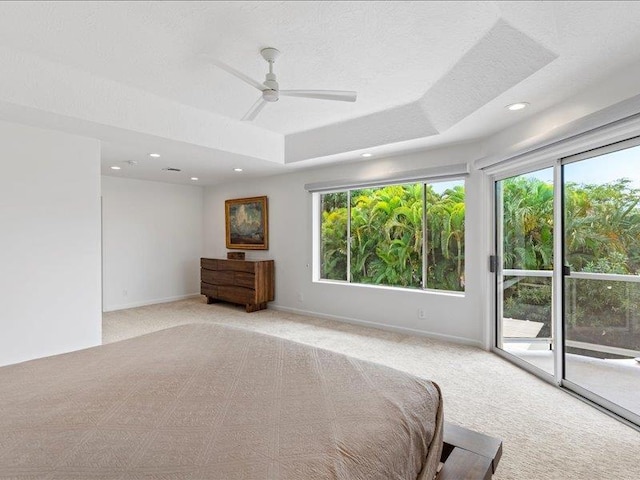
column 246, row 223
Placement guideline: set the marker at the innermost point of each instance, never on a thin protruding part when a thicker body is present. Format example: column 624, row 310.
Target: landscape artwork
column 246, row 223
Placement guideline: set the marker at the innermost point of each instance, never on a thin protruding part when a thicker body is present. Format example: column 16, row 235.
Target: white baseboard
column 123, row 306
column 382, row 326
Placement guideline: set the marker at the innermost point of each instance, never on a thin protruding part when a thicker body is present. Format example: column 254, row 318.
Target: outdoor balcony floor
column 613, row 379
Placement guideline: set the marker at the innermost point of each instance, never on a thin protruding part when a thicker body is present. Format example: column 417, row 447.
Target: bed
column 215, row 402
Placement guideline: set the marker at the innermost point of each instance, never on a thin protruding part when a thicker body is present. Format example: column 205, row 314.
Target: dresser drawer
column 236, row 294
column 237, row 265
column 209, row 263
column 217, row 277
column 243, row 279
column 208, row 290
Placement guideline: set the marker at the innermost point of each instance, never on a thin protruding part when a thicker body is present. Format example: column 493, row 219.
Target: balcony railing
column 608, row 349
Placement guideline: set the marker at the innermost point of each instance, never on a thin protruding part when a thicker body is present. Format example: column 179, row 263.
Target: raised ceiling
column 426, row 73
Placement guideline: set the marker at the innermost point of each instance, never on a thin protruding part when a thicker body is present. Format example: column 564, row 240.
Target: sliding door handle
column 493, row 263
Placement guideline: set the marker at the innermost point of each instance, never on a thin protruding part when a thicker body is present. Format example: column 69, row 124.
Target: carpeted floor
column 547, row 433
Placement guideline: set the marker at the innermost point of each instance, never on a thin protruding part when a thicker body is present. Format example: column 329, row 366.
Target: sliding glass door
column 567, row 269
column 524, row 216
column 601, row 198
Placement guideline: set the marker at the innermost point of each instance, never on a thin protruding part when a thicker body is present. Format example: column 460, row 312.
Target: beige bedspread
column 213, row 402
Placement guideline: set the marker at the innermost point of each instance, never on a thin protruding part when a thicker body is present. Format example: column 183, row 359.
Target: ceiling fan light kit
column 271, row 90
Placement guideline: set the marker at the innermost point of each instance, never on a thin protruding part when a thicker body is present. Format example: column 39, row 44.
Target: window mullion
column 349, row 236
column 424, row 236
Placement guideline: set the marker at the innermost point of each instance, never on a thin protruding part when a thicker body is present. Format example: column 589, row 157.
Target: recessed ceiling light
column 237, row 169
column 115, row 167
column 194, row 178
column 154, row 155
column 517, row 106
column 367, row 155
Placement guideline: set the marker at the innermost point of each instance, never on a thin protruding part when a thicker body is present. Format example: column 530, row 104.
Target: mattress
column 213, row 402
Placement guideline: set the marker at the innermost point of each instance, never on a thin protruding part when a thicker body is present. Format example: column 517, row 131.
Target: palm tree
column 386, row 226
column 333, row 245
column 528, row 224
column 445, row 228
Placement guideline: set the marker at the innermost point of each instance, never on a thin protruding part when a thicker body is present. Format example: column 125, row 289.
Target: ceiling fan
column 271, row 90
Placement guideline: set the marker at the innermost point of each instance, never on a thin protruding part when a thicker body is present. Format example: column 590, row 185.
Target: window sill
column 428, row 291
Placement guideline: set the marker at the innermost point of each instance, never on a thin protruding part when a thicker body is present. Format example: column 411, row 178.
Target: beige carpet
column 547, row 433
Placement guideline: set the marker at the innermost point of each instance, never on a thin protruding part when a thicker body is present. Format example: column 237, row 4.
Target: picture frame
column 247, row 223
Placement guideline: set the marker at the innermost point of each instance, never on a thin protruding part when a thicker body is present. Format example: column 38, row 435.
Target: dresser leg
column 254, row 307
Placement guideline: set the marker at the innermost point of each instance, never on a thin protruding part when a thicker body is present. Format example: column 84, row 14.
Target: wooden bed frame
column 468, row 455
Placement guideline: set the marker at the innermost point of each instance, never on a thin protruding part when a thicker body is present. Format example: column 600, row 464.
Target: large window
column 408, row 235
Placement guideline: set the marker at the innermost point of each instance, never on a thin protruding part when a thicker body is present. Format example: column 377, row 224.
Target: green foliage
column 334, row 236
column 601, row 222
column 602, row 235
column 528, row 224
column 386, row 230
column 387, row 236
column 530, row 300
column 445, row 242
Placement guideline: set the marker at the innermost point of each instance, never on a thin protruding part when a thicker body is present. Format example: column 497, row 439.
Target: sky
column 600, row 169
column 440, row 187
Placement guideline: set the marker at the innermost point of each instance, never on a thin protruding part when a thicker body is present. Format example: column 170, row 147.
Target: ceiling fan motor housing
column 271, row 93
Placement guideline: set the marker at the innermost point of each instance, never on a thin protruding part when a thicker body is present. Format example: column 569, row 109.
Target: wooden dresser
column 249, row 283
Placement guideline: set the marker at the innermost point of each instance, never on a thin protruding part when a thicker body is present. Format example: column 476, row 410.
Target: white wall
column 49, row 243
column 152, row 242
column 455, row 317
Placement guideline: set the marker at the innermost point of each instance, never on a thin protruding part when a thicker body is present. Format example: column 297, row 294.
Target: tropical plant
column 386, row 236
column 602, row 235
column 528, row 224
column 445, row 245
column 334, row 236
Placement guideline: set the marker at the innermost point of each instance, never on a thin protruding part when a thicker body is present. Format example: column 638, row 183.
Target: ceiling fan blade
column 340, row 95
column 235, row 73
column 254, row 110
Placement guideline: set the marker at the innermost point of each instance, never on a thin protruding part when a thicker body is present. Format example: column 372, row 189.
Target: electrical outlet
column 300, row 297
column 422, row 313
column 124, row 293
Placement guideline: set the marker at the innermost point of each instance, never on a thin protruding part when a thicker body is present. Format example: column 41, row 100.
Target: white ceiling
column 426, row 73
